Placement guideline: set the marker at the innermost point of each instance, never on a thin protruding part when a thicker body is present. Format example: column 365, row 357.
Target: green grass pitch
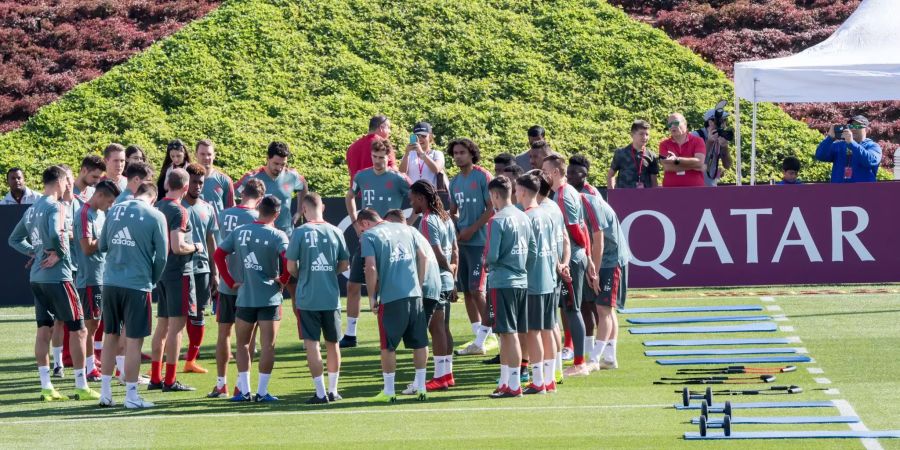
column 853, row 338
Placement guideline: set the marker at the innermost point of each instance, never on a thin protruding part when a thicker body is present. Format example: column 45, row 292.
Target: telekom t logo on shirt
column 244, row 236
column 368, row 196
column 229, row 223
column 117, row 212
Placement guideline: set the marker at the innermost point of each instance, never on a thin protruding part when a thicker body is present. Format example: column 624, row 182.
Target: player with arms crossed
column 229, row 220
column 135, row 241
column 316, row 255
column 261, row 248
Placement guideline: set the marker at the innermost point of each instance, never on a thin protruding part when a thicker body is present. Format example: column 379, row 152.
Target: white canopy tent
column 859, row 62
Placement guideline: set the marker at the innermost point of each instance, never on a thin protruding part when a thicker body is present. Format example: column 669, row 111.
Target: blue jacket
column 865, row 157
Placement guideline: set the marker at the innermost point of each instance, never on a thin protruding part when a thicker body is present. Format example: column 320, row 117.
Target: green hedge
column 311, row 73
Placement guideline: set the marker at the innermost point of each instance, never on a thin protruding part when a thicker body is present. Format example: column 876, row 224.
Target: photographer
column 716, row 145
column 854, row 157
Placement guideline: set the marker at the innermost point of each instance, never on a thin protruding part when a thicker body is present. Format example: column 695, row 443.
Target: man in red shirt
column 359, row 154
column 681, row 155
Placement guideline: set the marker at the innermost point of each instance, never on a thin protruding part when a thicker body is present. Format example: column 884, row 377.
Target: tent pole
column 753, row 148
column 737, row 137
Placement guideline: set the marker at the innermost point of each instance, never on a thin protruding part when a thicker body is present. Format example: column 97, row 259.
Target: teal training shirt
column 19, row 239
column 318, row 247
column 283, row 187
column 218, row 190
column 125, row 195
column 89, row 224
column 441, row 233
column 601, row 216
column 229, row 220
column 394, row 249
column 177, row 218
column 380, row 192
column 203, row 223
column 542, row 275
column 50, row 233
column 432, row 286
column 135, row 240
column 261, row 250
column 469, row 193
column 559, row 227
column 510, row 249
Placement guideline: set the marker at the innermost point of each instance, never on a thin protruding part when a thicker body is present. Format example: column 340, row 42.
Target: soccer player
column 136, row 174
column 114, row 157
column 395, row 271
column 577, row 173
column 261, row 247
column 569, row 201
column 204, row 228
column 134, row 239
column 502, row 161
column 177, row 299
column 358, row 154
column 218, row 190
column 509, row 252
column 229, row 220
column 613, row 278
column 316, row 255
column 439, row 232
column 470, row 204
column 89, row 279
column 281, row 181
column 542, row 281
column 51, row 283
column 380, row 189
column 90, row 173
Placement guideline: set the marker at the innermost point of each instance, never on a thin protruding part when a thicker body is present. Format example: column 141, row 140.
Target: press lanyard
column 420, row 162
column 848, row 168
column 638, row 165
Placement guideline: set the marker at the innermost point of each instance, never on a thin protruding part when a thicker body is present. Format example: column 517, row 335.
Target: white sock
column 263, row 387
column 559, row 364
column 333, row 381
column 597, row 351
column 106, row 386
column 548, row 371
column 351, row 326
column 420, row 380
column 388, row 383
column 89, row 363
column 120, row 363
column 80, row 379
column 438, row 366
column 475, row 327
column 514, row 383
column 448, row 365
column 588, row 345
column 131, row 392
column 504, row 375
column 221, row 382
column 57, row 357
column 537, row 374
column 44, row 372
column 319, row 382
column 483, row 333
column 610, row 353
column 244, row 382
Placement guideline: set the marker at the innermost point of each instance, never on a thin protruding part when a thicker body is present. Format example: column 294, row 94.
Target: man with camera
column 716, row 138
column 854, row 157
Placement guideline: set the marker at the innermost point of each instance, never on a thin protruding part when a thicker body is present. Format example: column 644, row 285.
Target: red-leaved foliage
column 727, row 31
column 49, row 46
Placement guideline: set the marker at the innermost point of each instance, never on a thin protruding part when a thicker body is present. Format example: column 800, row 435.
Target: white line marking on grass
column 822, row 380
column 767, row 299
column 794, row 339
column 16, row 316
column 786, row 328
column 845, row 409
column 780, row 318
column 815, row 370
column 773, row 308
column 832, row 391
column 340, row 412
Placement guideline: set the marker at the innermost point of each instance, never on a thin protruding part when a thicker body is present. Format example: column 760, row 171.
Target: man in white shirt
column 19, row 194
column 421, row 162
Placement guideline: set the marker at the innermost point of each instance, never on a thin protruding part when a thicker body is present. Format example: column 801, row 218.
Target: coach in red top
column 681, row 155
column 359, row 154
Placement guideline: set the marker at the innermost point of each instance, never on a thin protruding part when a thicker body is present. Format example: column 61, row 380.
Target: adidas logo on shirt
column 36, row 238
column 521, row 248
column 545, row 252
column 250, row 262
column 123, row 237
column 400, row 254
column 321, row 264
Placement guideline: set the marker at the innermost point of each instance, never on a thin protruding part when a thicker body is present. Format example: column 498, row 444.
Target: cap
column 175, row 144
column 860, row 120
column 711, row 113
column 422, row 128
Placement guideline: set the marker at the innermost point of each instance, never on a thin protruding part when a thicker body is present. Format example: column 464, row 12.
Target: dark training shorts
column 57, row 301
column 128, row 307
column 317, row 324
column 510, row 311
column 613, row 286
column 540, row 311
column 91, row 302
column 357, row 269
column 176, row 298
column 258, row 314
column 202, row 292
column 226, row 308
column 402, row 320
column 468, row 277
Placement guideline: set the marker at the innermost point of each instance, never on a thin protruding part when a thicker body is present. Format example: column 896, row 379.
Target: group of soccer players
column 521, row 250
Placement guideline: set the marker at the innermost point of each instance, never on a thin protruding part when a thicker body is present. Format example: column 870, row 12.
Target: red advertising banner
column 761, row 235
